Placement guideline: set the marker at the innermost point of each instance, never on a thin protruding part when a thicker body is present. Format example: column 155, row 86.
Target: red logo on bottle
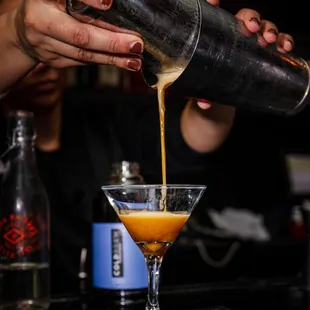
column 19, row 235
column 14, row 236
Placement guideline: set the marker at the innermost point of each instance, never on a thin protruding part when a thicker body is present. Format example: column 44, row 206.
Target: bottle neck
column 21, row 169
column 125, row 173
column 24, row 152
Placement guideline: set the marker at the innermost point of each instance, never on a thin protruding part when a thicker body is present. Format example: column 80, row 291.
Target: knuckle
column 84, row 55
column 272, row 25
column 254, row 12
column 59, row 62
column 81, row 37
column 246, row 11
column 111, row 60
column 249, row 13
column 52, row 58
column 114, row 46
column 28, row 21
column 269, row 25
column 281, row 36
column 289, row 37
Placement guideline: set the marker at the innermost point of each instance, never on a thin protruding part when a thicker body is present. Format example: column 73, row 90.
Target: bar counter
column 276, row 294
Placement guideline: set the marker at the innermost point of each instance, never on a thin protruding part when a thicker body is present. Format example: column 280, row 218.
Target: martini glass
column 154, row 216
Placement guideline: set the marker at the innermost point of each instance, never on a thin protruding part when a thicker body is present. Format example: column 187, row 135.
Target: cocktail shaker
column 223, row 61
column 230, row 67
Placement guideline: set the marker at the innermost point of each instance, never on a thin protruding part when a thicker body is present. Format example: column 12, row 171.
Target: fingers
column 89, row 37
column 60, row 40
column 285, row 42
column 267, row 31
column 251, row 19
column 60, row 54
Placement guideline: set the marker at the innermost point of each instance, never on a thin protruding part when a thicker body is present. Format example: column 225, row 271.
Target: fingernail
column 255, row 20
column 288, row 44
column 273, row 31
column 136, row 48
column 134, row 64
column 106, row 3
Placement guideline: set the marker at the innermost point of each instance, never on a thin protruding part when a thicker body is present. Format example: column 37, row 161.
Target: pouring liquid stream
column 164, row 81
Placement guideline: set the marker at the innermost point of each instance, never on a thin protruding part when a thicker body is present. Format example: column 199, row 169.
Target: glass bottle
column 24, row 222
column 119, row 270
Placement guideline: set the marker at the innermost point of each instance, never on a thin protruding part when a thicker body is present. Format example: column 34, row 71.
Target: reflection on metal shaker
column 230, row 67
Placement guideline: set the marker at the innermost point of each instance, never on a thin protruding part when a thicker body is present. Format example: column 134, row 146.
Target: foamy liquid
column 154, row 226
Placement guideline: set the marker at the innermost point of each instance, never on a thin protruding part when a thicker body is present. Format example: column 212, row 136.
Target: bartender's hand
column 46, row 33
column 205, row 126
column 267, row 34
column 268, row 31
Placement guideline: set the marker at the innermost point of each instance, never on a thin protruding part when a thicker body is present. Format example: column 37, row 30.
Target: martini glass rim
column 154, row 186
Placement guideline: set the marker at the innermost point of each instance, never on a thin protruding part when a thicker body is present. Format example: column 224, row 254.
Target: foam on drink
column 154, row 232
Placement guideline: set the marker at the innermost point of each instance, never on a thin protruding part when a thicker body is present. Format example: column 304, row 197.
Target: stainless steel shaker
column 230, row 67
column 224, row 62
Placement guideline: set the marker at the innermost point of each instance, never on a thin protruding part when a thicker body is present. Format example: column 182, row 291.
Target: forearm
column 205, row 130
column 14, row 64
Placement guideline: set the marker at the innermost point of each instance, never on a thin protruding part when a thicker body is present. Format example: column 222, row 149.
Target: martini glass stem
column 153, row 264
